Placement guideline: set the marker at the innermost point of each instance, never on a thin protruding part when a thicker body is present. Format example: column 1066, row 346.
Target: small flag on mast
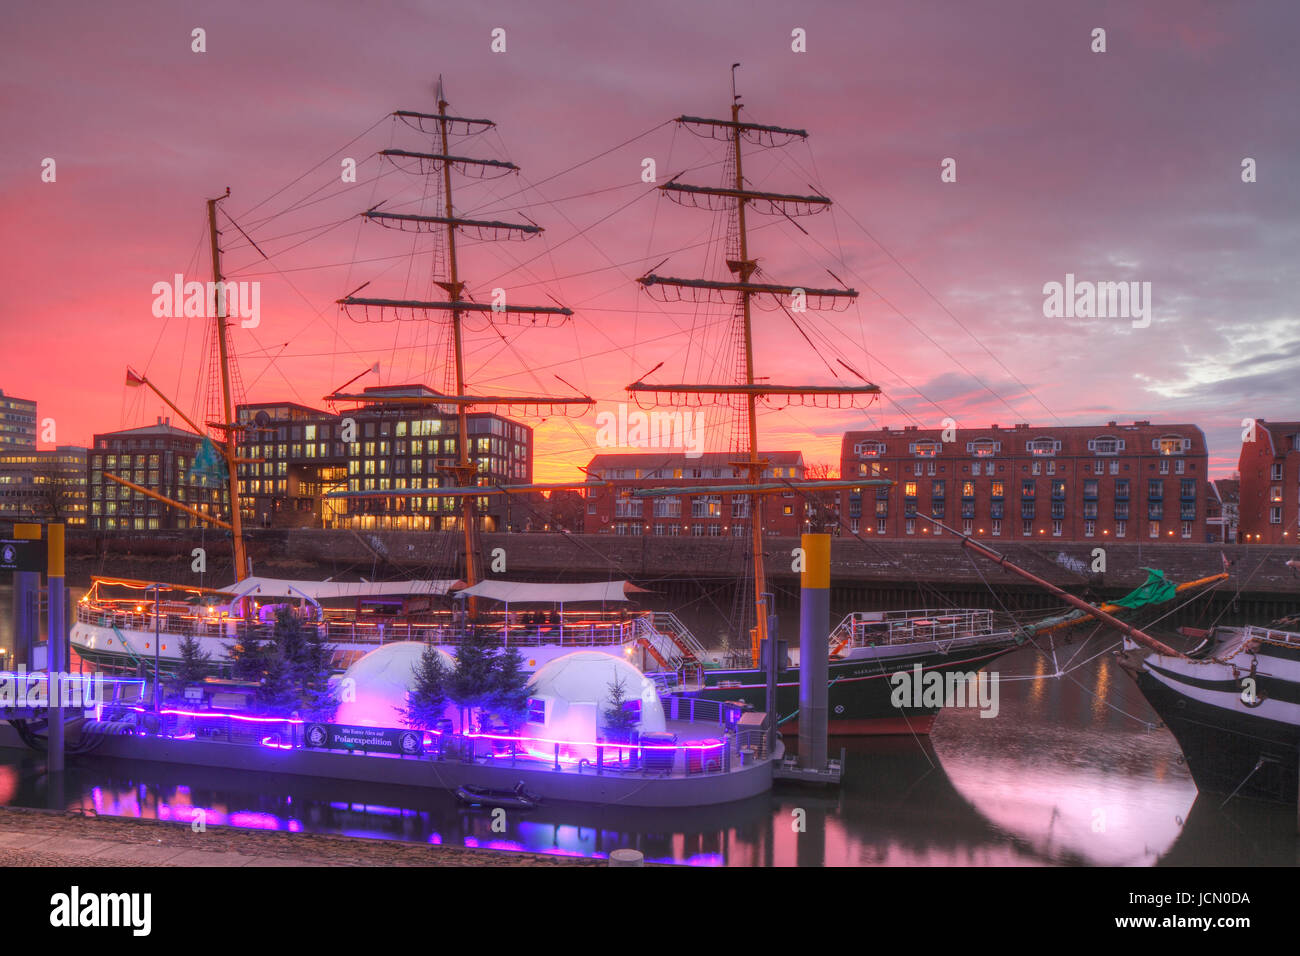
column 133, row 379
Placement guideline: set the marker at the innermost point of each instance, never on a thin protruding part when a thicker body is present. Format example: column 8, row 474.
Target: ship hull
column 1227, row 750
column 859, row 691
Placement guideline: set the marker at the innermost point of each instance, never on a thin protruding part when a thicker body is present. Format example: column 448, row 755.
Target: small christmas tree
column 471, row 683
column 620, row 720
column 509, row 687
column 194, row 665
column 427, row 701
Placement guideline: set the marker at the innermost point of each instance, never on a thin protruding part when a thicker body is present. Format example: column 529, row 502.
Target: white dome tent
column 567, row 697
column 380, row 682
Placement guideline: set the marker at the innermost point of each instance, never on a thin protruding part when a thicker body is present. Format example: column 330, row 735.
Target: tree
column 567, row 510
column 620, row 720
column 428, row 699
column 509, row 697
column 195, row 663
column 56, row 493
column 471, row 684
column 821, row 508
column 291, row 667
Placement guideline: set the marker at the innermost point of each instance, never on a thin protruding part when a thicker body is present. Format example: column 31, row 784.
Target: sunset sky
column 1117, row 166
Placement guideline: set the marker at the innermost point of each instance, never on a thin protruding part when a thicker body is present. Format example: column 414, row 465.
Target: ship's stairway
column 689, row 648
column 668, row 641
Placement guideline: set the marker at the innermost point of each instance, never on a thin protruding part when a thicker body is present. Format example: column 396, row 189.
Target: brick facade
column 1076, row 483
column 1269, row 496
column 706, row 514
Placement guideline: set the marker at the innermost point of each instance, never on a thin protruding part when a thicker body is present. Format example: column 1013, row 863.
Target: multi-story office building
column 17, row 423
column 704, row 514
column 383, row 446
column 1085, row 483
column 1270, row 483
column 159, row 457
column 45, row 486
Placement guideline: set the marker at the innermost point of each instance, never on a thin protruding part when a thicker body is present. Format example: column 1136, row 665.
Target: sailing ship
column 867, row 648
column 142, row 624
column 1233, row 704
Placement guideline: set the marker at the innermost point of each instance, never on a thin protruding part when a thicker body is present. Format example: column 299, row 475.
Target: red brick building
column 706, row 514
column 1269, row 503
column 1076, row 483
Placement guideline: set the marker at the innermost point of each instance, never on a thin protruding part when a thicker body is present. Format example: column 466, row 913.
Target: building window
column 880, row 526
column 1121, row 528
column 1106, row 446
column 910, row 525
column 1274, row 473
column 997, row 529
column 1164, row 467
column 1154, row 530
column 1114, row 468
column 1187, row 529
column 1056, row 529
column 1026, row 528
column 966, row 526
column 1089, row 529
column 1274, row 515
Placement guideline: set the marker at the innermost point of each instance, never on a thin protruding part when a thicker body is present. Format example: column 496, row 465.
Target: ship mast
column 229, row 451
column 453, row 287
column 468, row 487
column 737, row 196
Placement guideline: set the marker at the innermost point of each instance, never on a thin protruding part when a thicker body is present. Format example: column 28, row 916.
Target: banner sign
column 22, row 555
column 378, row 739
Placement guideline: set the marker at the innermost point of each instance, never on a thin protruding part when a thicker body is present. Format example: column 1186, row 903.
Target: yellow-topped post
column 814, row 649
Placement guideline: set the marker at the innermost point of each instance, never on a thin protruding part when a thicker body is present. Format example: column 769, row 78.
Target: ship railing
column 862, row 629
column 576, row 634
column 1271, row 635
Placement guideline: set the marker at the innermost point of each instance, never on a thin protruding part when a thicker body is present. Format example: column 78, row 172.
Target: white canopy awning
column 334, row 590
column 519, row 592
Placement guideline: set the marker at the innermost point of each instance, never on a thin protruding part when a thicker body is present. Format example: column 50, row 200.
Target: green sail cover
column 1157, row 589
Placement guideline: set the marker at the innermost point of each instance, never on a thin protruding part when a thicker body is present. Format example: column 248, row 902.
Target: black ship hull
column 861, row 696
column 1229, row 752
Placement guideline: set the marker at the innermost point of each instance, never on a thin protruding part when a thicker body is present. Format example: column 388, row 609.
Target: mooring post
column 814, row 630
column 56, row 647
